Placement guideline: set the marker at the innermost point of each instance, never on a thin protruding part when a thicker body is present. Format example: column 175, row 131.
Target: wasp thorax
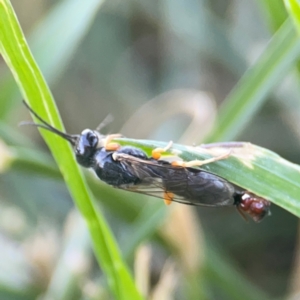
column 86, row 146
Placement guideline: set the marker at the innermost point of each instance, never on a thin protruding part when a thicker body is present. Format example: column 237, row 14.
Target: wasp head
column 86, row 145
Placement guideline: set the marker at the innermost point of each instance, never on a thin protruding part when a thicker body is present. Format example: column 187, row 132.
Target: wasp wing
column 186, row 185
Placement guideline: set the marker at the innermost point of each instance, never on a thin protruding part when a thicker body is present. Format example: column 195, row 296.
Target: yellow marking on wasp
column 168, row 198
column 111, row 146
column 156, row 153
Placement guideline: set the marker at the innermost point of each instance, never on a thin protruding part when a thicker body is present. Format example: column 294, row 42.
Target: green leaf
column 257, row 83
column 251, row 167
column 293, row 7
column 34, row 89
column 274, row 12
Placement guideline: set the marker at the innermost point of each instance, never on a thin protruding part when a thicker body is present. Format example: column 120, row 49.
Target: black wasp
column 130, row 169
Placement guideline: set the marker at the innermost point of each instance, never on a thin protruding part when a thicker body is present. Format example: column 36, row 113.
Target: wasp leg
column 111, row 146
column 156, row 153
column 199, row 163
column 225, row 145
column 131, row 154
column 168, row 197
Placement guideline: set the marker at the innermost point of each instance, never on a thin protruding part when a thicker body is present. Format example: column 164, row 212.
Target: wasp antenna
column 36, row 115
column 52, row 129
column 69, row 137
column 108, row 119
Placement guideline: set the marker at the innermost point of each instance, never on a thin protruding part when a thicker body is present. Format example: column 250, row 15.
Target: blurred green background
column 163, row 70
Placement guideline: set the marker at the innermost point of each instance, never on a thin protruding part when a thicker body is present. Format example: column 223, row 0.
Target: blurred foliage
column 117, row 59
column 293, row 7
column 35, row 91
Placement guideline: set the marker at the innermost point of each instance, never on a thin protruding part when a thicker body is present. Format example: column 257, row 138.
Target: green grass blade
column 254, row 168
column 76, row 18
column 17, row 55
column 257, row 83
column 274, row 12
column 293, row 7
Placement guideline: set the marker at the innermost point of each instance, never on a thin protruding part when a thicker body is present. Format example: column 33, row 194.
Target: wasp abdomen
column 200, row 187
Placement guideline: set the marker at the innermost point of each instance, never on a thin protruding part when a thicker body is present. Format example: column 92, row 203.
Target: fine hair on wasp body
column 130, row 169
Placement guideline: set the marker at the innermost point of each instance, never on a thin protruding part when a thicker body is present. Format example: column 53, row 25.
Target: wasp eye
column 92, row 138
